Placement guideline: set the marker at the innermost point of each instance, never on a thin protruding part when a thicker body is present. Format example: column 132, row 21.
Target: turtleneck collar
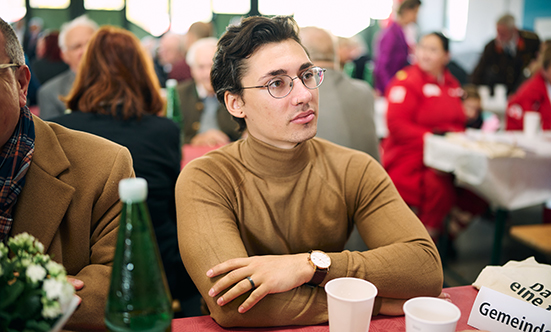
column 268, row 160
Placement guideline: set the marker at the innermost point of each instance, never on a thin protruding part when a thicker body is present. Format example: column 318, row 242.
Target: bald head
column 320, row 45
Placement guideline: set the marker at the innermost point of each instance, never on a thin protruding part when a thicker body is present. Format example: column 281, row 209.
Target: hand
column 270, row 274
column 212, row 137
column 78, row 284
column 394, row 307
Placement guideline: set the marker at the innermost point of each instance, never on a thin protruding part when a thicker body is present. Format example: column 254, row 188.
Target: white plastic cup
column 531, row 124
column 350, row 304
column 430, row 314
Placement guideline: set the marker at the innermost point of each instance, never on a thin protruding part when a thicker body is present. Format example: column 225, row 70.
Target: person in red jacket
column 424, row 98
column 533, row 95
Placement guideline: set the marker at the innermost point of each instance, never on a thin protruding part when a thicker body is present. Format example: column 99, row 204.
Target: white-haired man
column 206, row 122
column 73, row 39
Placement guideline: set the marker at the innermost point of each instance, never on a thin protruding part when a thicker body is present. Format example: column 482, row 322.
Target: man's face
column 13, row 94
column 280, row 122
column 76, row 41
column 504, row 34
column 200, row 71
column 169, row 50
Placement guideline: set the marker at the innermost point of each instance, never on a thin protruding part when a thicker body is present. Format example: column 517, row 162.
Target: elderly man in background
column 206, row 122
column 59, row 185
column 346, row 114
column 73, row 39
column 505, row 60
column 172, row 58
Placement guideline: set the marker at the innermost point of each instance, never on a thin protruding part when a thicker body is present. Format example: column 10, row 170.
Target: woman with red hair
column 116, row 95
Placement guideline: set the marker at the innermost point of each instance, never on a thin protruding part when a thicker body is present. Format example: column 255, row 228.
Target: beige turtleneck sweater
column 250, row 198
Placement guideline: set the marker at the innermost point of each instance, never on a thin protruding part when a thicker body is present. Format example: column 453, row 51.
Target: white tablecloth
column 508, row 169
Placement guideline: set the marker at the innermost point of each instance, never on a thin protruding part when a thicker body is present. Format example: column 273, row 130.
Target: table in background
column 463, row 297
column 507, row 169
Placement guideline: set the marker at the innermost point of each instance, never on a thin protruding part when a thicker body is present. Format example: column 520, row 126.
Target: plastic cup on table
column 531, row 123
column 350, row 304
column 430, row 314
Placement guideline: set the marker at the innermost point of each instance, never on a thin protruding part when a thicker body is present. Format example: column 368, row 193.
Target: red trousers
column 437, row 198
column 439, row 195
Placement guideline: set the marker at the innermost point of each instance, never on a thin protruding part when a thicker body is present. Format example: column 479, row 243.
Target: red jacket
column 417, row 104
column 531, row 96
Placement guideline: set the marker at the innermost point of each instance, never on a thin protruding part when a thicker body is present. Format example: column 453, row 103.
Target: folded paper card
column 527, row 280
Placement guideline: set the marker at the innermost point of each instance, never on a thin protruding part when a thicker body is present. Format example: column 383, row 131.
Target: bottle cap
column 171, row 83
column 133, row 190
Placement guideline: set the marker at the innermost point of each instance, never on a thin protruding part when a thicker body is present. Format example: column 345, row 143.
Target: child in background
column 476, row 118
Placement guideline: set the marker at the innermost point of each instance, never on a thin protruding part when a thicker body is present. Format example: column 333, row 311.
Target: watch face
column 320, row 259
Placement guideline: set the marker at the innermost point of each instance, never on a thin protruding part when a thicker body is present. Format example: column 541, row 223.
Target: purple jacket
column 392, row 55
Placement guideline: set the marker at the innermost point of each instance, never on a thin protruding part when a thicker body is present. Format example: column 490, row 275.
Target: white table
column 507, row 169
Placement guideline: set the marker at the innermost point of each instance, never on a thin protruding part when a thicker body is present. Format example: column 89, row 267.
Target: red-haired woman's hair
column 115, row 72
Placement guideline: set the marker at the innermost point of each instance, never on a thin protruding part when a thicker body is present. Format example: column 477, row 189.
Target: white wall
column 480, row 27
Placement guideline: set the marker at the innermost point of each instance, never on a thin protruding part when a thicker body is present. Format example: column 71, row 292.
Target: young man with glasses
column 262, row 222
column 59, row 185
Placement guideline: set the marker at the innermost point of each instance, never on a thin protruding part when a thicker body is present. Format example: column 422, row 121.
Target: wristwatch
column 321, row 263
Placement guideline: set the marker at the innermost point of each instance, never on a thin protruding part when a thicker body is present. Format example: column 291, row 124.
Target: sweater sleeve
column 208, row 234
column 402, row 263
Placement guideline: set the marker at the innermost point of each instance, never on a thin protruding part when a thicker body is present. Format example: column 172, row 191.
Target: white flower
column 24, row 239
column 35, row 272
column 55, row 269
column 67, row 293
column 26, row 262
column 53, row 288
column 39, row 246
column 51, row 309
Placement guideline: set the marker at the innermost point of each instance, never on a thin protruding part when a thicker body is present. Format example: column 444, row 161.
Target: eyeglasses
column 8, row 65
column 282, row 85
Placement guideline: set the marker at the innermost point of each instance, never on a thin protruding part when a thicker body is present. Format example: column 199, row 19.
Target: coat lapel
column 44, row 199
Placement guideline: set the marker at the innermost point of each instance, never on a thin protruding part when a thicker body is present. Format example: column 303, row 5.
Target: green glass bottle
column 173, row 102
column 139, row 298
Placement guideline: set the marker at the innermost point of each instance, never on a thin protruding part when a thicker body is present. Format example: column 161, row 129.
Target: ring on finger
column 252, row 282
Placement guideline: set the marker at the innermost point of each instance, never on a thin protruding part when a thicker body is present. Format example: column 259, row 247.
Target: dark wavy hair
column 443, row 39
column 238, row 43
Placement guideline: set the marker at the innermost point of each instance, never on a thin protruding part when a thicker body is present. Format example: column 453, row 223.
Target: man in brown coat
column 60, row 186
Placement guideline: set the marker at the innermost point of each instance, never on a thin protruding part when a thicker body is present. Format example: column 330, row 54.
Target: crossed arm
column 213, row 242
